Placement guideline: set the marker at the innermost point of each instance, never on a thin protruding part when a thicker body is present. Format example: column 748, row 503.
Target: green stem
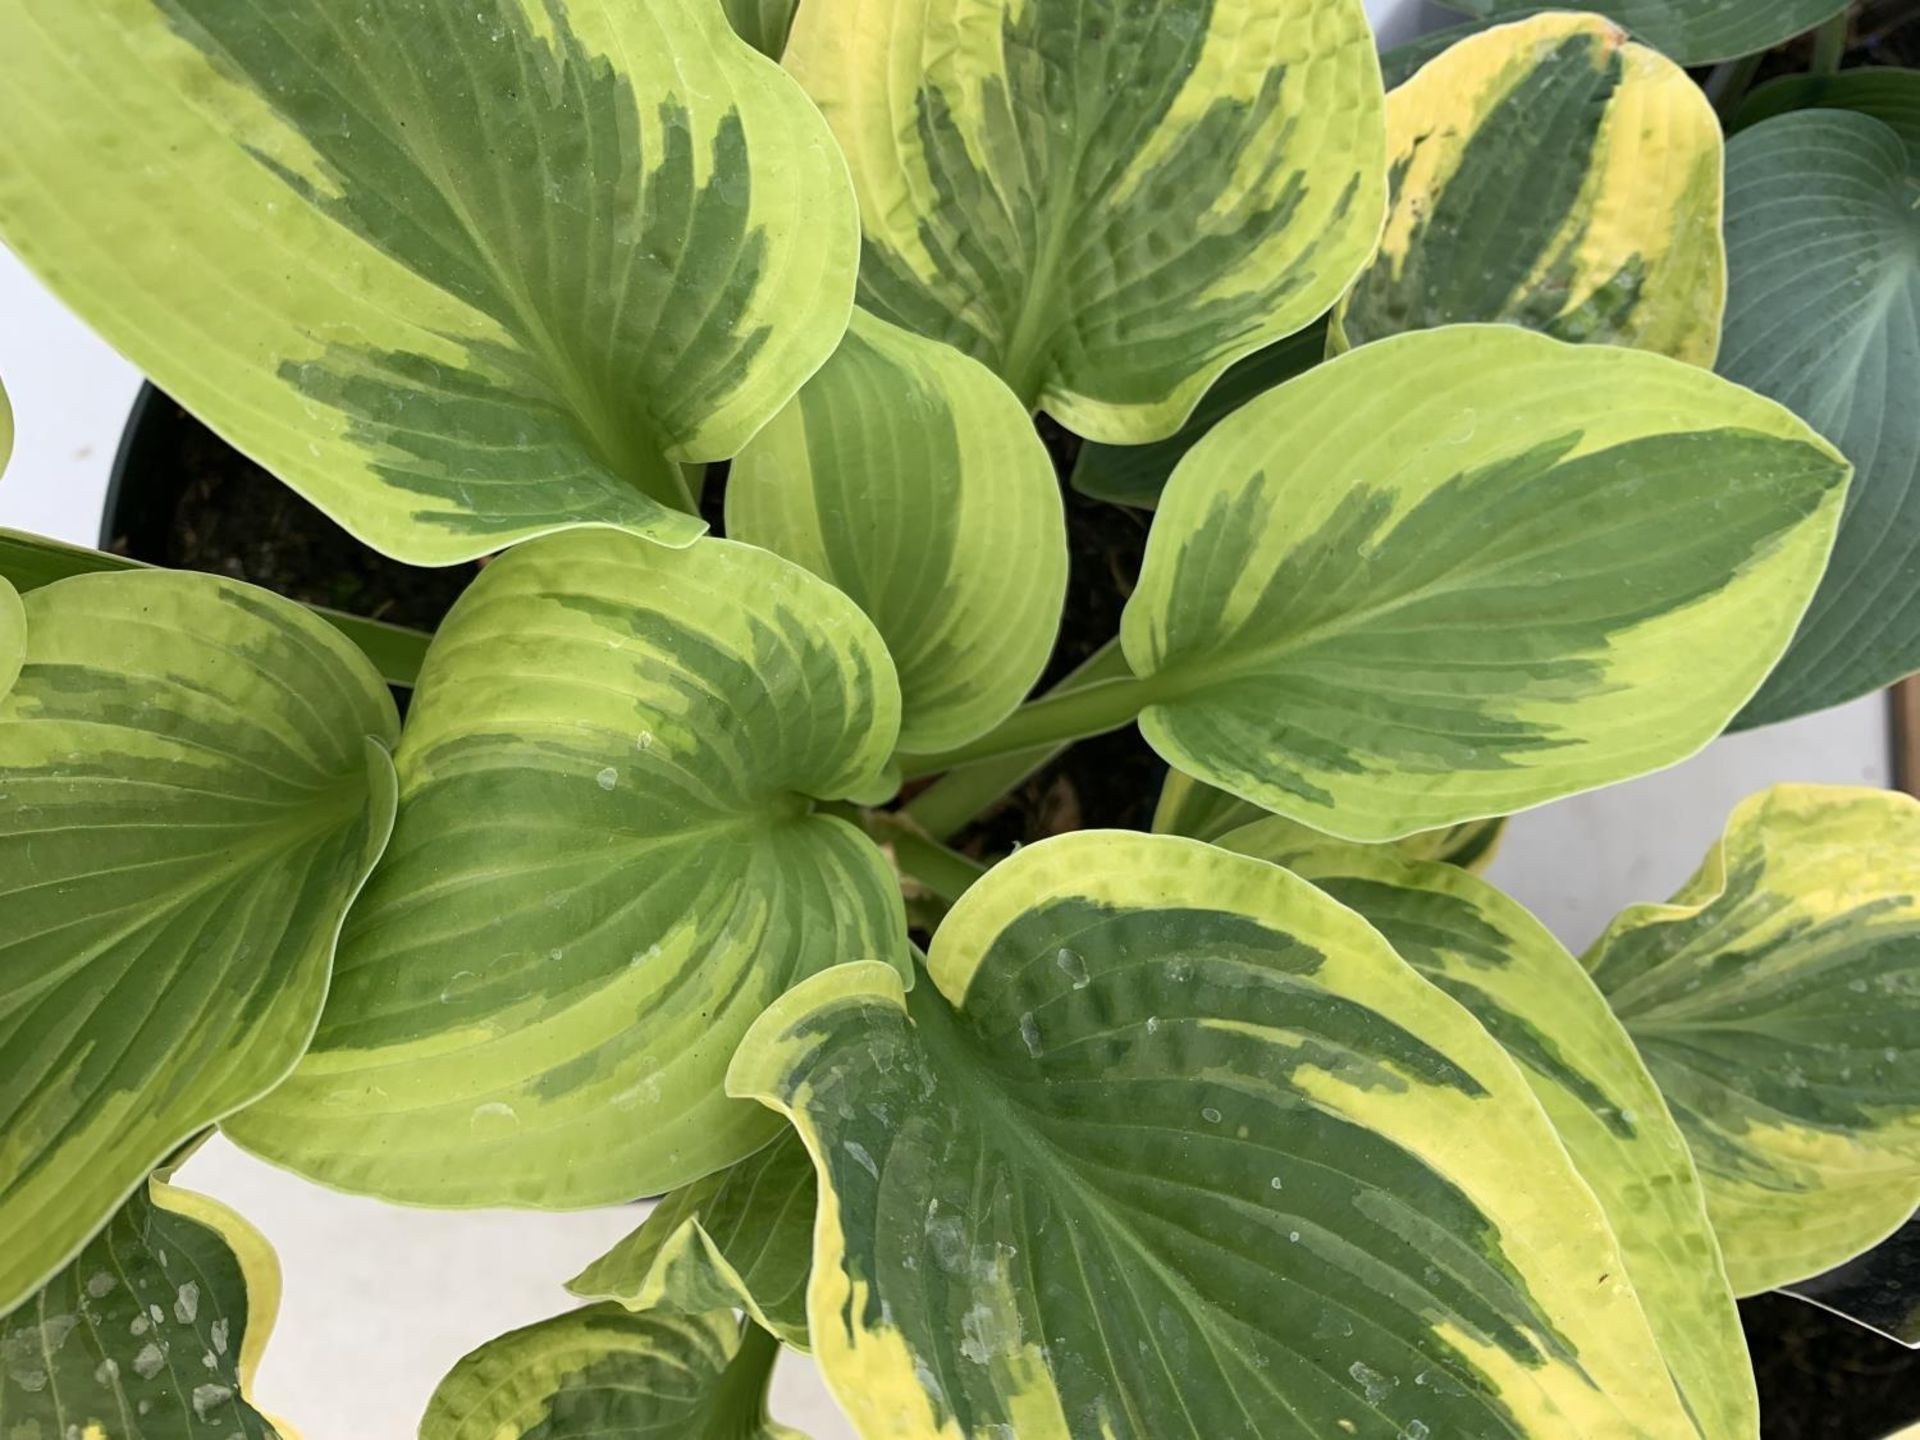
column 1830, row 44
column 1059, row 719
column 944, row 871
column 950, row 804
column 1729, row 83
column 938, row 869
column 742, row 1389
column 395, row 650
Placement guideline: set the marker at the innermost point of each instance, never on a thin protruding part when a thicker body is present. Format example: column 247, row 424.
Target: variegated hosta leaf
column 1200, row 811
column 1693, row 32
column 1174, row 1146
column 153, row 1332
column 1777, row 1000
column 13, row 635
column 1531, row 995
column 1107, row 203
column 607, row 863
column 1551, row 175
column 194, row 783
column 763, row 24
column 1136, row 474
column 909, row 477
column 459, row 271
column 1459, row 572
column 741, row 1239
column 1824, row 316
column 601, row 1373
column 1197, row 810
column 1404, row 61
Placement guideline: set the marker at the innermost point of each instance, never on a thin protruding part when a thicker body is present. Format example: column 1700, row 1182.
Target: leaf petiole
column 948, row 805
column 1056, row 719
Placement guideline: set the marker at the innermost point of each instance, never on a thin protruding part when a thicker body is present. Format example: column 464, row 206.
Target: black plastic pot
column 144, row 485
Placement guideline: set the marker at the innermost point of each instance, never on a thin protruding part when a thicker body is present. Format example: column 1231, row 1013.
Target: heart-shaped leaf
column 193, row 785
column 1175, row 1146
column 1693, row 32
column 1551, row 175
column 1106, row 203
column 607, row 863
column 1777, row 1000
column 459, row 271
column 1459, row 572
column 1824, row 315
column 601, row 1372
column 1532, row 996
column 909, row 477
column 740, row 1239
column 153, row 1332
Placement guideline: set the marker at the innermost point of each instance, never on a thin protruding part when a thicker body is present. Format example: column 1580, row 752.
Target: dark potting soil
column 195, row 503
column 190, row 501
column 1824, row 1378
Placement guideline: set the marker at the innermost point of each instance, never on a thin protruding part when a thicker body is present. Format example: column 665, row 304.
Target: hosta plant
column 1277, row 1121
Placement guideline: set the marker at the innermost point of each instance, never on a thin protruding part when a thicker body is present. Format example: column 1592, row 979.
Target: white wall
column 1395, row 21
column 380, row 1301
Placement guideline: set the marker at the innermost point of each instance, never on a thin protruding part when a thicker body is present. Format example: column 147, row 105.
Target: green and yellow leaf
column 1459, row 572
column 1197, row 810
column 1692, row 32
column 601, row 1372
column 1401, row 63
column 1108, row 204
column 461, row 272
column 1532, row 996
column 194, row 782
column 1549, row 174
column 741, row 1239
column 607, row 863
column 1136, row 474
column 1175, row 1146
column 153, row 1332
column 13, row 620
column 909, row 477
column 1776, row 999
column 13, row 636
column 1824, row 316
